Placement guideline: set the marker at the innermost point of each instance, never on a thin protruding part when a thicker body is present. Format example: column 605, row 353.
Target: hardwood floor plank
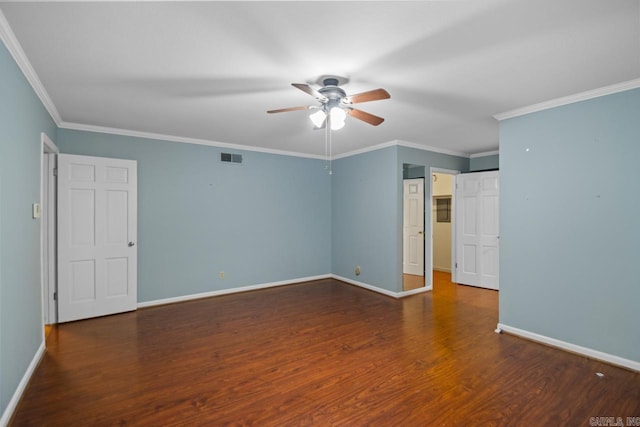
column 318, row 353
column 411, row 281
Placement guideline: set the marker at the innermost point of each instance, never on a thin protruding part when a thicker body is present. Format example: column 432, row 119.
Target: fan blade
column 365, row 117
column 372, row 95
column 284, row 110
column 311, row 91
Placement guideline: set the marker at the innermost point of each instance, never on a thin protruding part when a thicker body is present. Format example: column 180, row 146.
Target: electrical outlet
column 357, row 270
column 221, row 274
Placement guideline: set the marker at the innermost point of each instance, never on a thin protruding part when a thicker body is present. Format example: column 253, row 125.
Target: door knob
column 131, row 244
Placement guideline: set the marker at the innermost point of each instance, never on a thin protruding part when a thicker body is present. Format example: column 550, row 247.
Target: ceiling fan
column 335, row 104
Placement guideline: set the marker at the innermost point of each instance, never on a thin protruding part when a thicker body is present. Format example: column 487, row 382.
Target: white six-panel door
column 413, row 227
column 477, row 232
column 97, row 226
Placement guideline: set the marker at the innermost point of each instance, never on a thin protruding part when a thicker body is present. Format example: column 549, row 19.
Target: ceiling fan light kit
column 338, row 117
column 335, row 101
column 335, row 105
column 317, row 118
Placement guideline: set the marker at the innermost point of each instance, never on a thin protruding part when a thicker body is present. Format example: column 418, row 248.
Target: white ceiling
column 210, row 70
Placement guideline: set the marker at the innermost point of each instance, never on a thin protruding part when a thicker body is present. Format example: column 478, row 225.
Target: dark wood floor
column 321, row 353
column 411, row 281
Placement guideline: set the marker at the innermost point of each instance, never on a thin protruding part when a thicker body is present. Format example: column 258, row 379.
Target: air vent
column 231, row 158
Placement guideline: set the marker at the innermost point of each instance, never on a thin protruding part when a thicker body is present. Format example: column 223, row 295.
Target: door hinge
column 456, row 265
column 55, row 296
column 55, row 171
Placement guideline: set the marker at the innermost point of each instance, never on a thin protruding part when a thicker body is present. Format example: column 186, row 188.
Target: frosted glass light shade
column 338, row 116
column 318, row 118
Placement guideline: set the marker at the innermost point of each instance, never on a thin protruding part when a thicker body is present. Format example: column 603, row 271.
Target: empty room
column 287, row 213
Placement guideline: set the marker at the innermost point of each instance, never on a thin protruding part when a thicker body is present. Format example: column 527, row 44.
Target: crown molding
column 400, row 143
column 432, row 149
column 13, row 46
column 486, row 153
column 172, row 138
column 558, row 102
column 365, row 150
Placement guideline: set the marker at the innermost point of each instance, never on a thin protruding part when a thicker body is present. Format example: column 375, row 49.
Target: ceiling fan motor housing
column 332, row 92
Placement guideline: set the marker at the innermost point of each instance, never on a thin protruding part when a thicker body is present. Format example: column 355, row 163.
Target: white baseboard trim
column 229, row 291
column 183, row 298
column 15, row 399
column 573, row 348
column 366, row 286
column 403, row 294
column 381, row 290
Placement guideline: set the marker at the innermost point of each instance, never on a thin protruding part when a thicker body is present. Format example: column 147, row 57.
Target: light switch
column 36, row 210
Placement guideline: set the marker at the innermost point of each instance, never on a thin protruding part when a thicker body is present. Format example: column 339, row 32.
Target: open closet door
column 97, row 226
column 477, row 228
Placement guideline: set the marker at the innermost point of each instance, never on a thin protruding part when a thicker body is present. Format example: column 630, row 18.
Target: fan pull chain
column 328, row 143
column 330, row 155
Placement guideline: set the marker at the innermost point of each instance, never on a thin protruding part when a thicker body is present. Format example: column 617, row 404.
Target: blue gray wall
column 411, row 171
column 22, row 119
column 484, row 163
column 267, row 220
column 367, row 212
column 569, row 227
column 364, row 197
column 429, row 160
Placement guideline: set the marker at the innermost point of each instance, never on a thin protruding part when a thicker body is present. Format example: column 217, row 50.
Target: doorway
column 442, row 220
column 442, row 224
column 413, row 226
column 47, row 211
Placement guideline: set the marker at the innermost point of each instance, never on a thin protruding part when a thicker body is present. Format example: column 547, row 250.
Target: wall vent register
column 231, row 158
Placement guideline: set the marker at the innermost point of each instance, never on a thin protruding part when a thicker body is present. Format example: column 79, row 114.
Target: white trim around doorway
column 48, row 152
column 433, row 170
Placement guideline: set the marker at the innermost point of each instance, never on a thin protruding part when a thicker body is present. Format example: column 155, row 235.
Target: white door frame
column 48, row 154
column 433, row 170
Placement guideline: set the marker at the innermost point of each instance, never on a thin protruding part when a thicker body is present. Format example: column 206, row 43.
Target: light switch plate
column 36, row 210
